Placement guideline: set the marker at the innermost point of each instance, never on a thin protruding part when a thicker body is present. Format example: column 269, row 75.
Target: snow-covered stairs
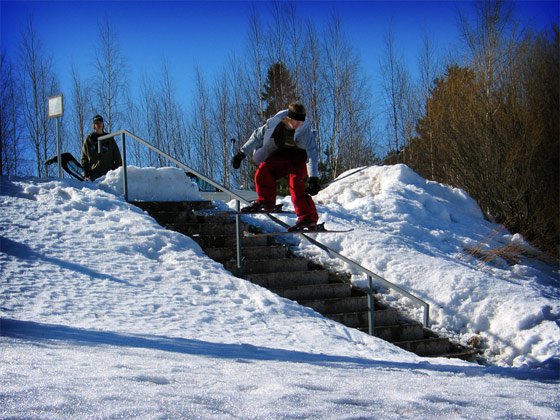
column 275, row 267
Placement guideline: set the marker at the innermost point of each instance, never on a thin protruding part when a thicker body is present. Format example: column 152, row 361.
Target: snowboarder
column 284, row 146
column 97, row 164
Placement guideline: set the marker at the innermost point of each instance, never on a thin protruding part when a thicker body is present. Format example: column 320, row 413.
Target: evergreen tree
column 279, row 89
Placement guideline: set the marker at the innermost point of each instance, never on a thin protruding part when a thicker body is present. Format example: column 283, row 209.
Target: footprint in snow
column 158, row 380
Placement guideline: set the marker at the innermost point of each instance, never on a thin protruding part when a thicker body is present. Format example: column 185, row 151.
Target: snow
column 152, row 184
column 106, row 314
column 417, row 234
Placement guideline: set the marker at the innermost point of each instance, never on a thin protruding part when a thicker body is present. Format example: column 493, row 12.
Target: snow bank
column 416, row 233
column 152, row 184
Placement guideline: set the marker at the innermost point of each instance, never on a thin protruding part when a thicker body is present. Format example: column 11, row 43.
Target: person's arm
column 255, row 141
column 84, row 159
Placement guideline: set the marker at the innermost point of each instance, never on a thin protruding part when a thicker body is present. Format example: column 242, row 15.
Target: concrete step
column 315, row 291
column 382, row 317
column 338, row 305
column 269, row 266
column 400, row 332
column 426, row 347
column 224, row 241
column 205, row 228
column 173, row 217
column 170, row 206
column 247, row 253
column 294, row 278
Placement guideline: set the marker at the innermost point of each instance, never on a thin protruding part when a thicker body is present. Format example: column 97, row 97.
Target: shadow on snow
column 40, row 332
column 22, row 251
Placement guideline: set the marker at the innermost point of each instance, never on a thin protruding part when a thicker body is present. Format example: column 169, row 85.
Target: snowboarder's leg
column 265, row 183
column 303, row 203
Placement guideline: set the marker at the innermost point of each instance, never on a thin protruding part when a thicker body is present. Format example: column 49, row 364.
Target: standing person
column 97, row 164
column 284, row 146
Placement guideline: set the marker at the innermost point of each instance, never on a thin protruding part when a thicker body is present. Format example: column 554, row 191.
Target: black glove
column 236, row 160
column 313, row 185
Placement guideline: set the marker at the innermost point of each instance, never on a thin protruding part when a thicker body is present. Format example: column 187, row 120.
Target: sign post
column 56, row 111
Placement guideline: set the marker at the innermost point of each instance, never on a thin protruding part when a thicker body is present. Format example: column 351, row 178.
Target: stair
column 275, row 267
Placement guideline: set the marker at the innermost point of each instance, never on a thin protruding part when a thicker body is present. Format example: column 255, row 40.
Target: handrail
column 175, row 161
column 370, row 274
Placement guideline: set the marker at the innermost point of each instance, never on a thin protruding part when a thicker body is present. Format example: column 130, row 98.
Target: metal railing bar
column 176, row 162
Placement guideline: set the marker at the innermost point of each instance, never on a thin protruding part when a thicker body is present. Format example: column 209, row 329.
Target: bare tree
column 245, row 117
column 10, row 116
column 110, row 79
column 258, row 65
column 395, row 87
column 200, row 125
column 148, row 109
column 344, row 122
column 38, row 83
column 277, row 32
column 81, row 104
column 491, row 39
column 429, row 69
column 311, row 80
column 133, row 120
column 223, row 105
column 336, row 56
column 293, row 32
column 172, row 122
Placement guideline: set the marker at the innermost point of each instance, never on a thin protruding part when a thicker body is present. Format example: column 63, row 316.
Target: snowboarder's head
column 98, row 124
column 296, row 114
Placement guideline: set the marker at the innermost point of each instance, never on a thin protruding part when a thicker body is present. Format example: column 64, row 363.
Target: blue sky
column 190, row 33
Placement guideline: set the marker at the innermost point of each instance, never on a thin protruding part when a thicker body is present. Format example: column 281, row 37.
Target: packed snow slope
column 103, row 313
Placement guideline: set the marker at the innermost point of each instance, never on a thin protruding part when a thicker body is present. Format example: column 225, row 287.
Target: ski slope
column 106, row 314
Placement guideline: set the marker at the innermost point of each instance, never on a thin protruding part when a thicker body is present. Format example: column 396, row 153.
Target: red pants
column 290, row 163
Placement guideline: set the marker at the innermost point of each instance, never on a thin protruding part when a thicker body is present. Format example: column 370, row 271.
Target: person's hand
column 313, row 185
column 237, row 159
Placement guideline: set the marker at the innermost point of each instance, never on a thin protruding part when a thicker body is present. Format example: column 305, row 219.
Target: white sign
column 55, row 106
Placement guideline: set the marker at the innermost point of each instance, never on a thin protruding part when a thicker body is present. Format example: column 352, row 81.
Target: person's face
column 295, row 124
column 98, row 126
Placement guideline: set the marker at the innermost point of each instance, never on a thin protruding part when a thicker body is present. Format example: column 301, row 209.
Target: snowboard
column 321, row 229
column 275, row 210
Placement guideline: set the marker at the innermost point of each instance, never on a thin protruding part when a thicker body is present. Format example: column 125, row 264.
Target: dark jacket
column 98, row 164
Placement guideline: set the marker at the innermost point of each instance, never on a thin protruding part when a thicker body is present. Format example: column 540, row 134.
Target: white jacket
column 261, row 145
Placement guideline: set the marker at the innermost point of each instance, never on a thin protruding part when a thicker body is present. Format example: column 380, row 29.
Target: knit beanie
column 296, row 111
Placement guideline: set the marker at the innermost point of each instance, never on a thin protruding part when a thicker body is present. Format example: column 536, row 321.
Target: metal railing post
column 371, row 307
column 427, row 315
column 125, row 176
column 238, row 232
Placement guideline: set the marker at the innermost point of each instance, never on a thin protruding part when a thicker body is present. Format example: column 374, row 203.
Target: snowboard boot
column 257, row 207
column 306, row 226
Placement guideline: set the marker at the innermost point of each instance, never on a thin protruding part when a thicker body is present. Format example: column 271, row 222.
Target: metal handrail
column 370, row 274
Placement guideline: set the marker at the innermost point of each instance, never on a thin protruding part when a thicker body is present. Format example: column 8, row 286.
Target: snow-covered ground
column 106, row 314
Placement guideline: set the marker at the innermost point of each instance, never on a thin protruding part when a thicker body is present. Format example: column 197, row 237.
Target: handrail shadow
column 18, row 250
